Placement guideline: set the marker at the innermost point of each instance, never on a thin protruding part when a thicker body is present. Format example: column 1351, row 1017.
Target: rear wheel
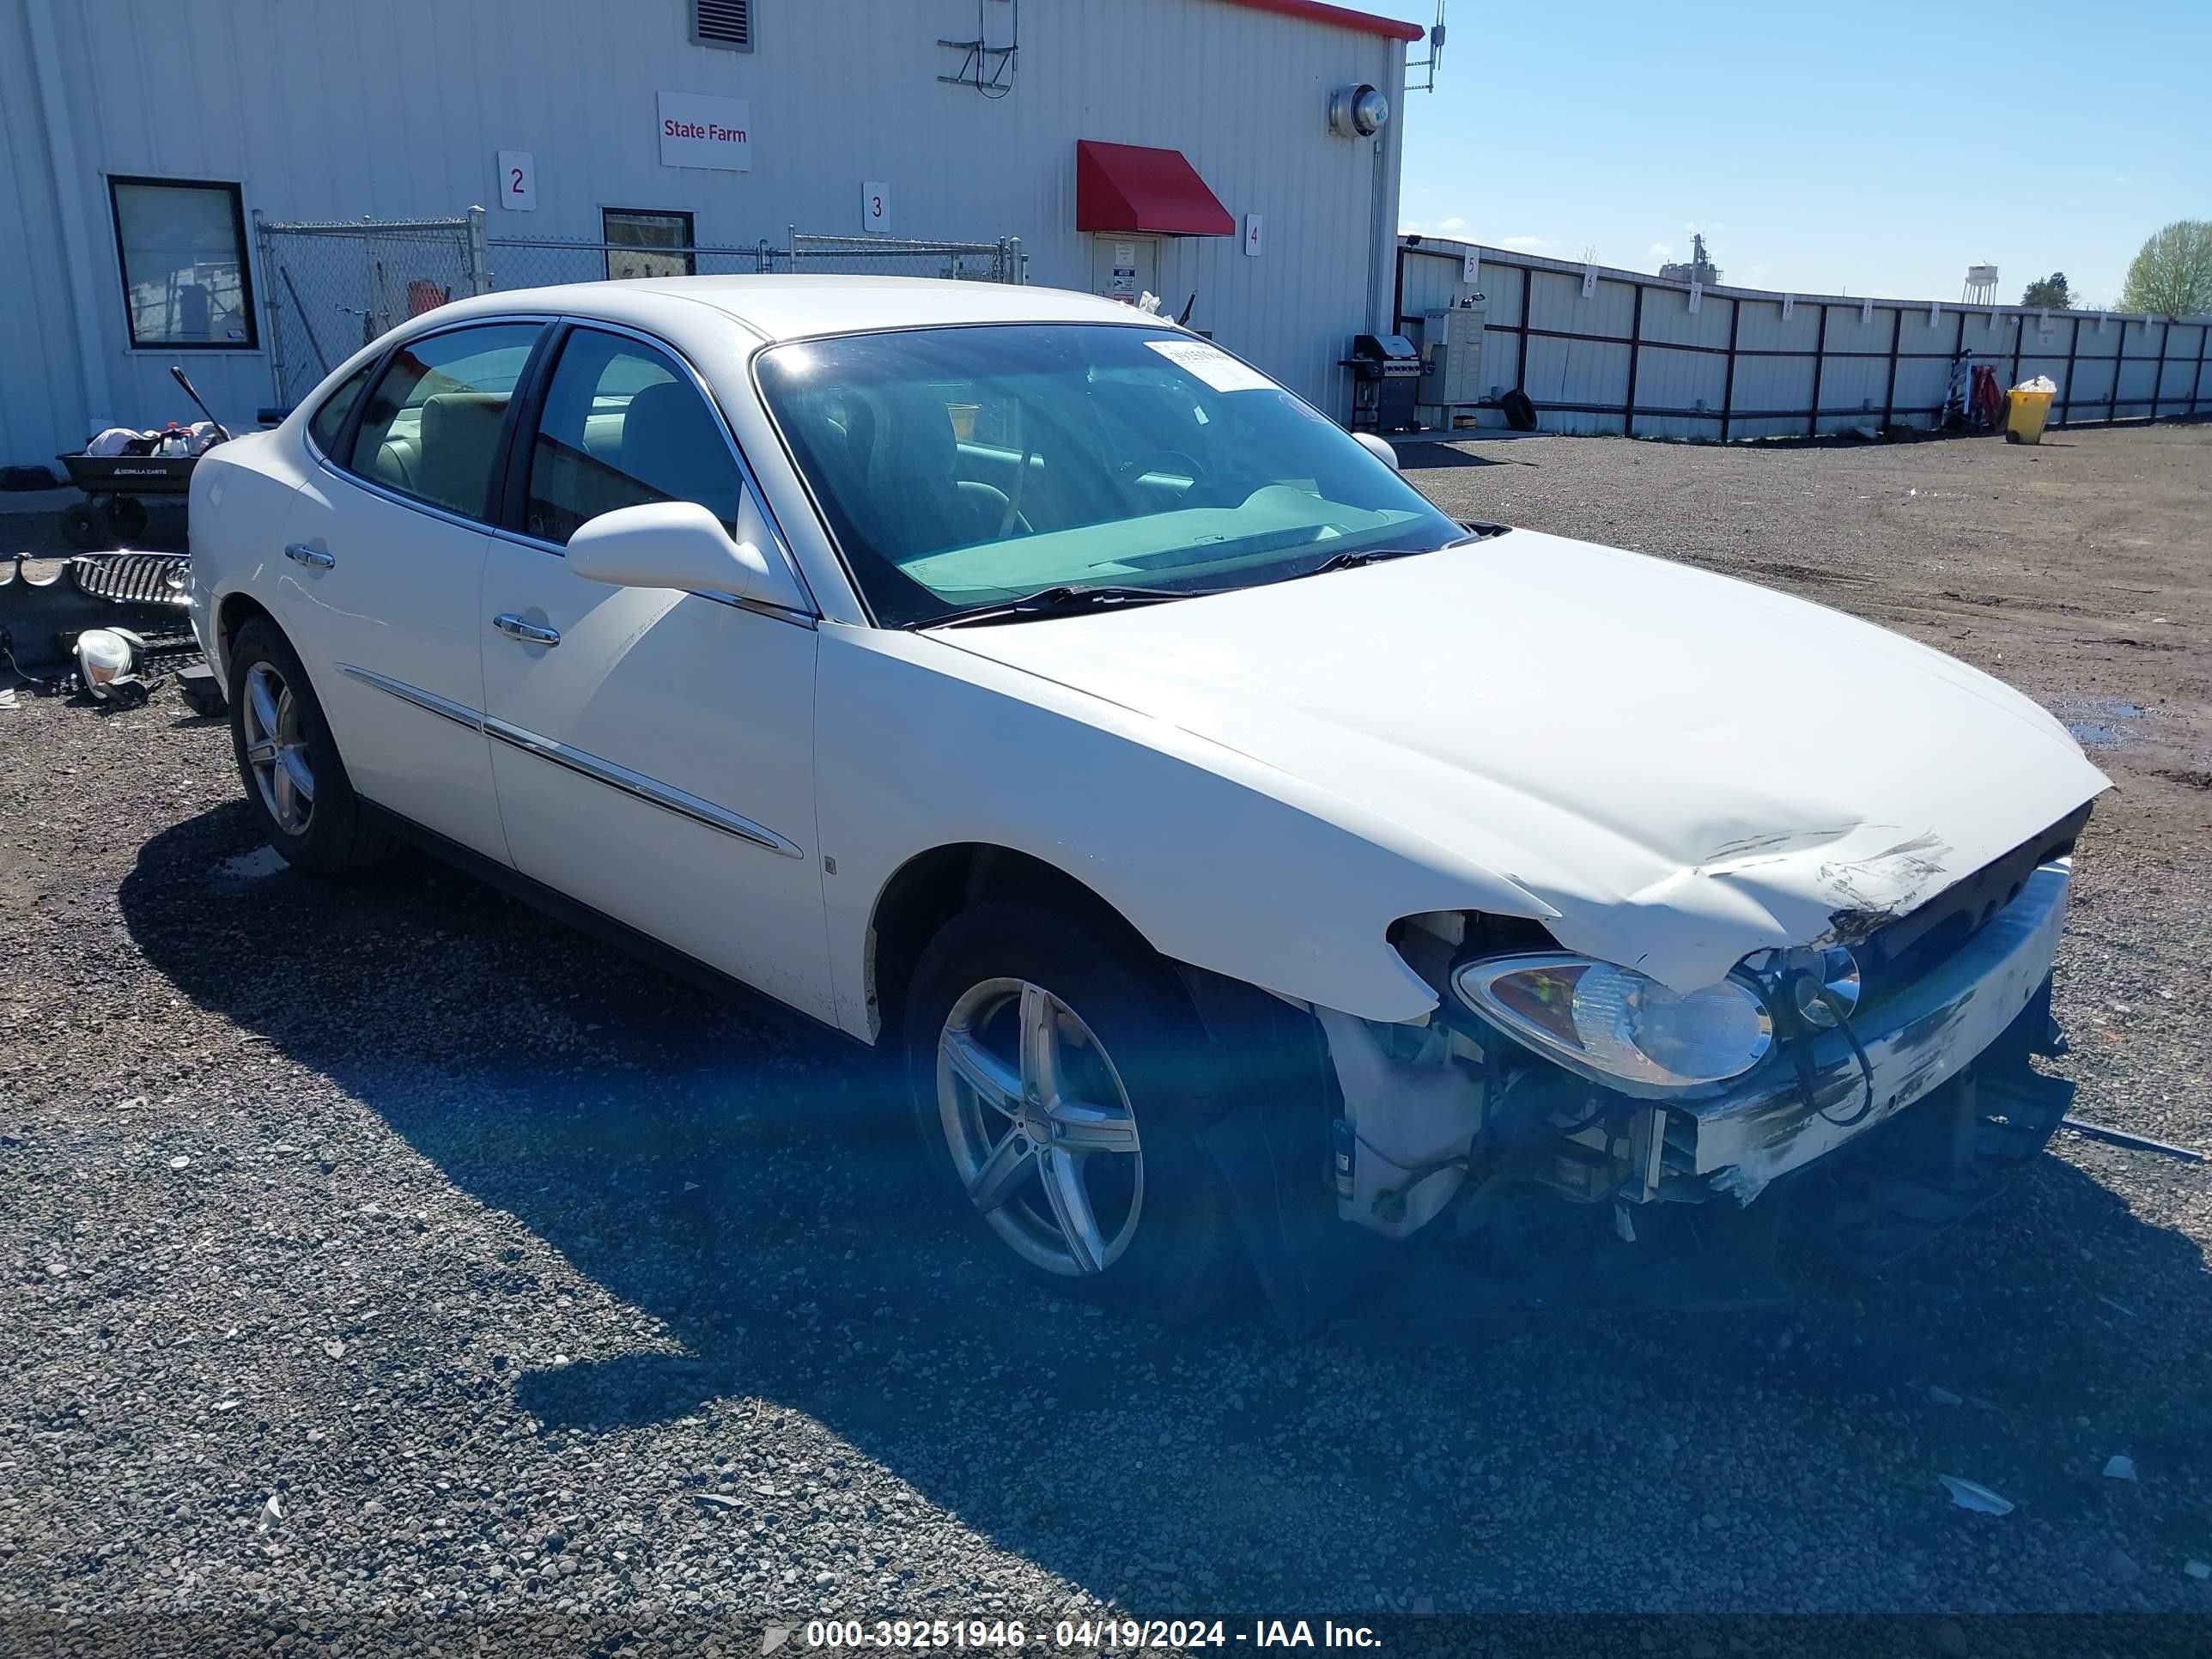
column 294, row 778
column 1050, row 1062
column 81, row 525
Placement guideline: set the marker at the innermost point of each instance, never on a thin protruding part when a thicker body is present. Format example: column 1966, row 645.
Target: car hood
column 1675, row 767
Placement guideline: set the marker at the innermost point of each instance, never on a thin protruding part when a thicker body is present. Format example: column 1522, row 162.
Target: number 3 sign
column 517, row 180
column 876, row 207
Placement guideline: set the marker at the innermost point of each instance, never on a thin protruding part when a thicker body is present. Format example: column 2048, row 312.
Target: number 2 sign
column 876, row 207
column 517, row 180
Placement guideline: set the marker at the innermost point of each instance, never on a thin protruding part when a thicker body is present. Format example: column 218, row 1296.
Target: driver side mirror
column 1375, row 446
column 678, row 544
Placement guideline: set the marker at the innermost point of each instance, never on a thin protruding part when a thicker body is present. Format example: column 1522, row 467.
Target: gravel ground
column 524, row 1279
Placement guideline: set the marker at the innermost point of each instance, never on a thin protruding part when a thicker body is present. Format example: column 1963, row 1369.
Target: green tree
column 2049, row 294
column 2173, row 275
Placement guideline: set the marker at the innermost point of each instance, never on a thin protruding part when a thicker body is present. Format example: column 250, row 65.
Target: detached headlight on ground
column 1617, row 1026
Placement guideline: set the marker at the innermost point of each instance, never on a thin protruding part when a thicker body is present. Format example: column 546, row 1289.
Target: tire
column 320, row 827
column 1520, row 413
column 126, row 517
column 1163, row 1242
column 81, row 525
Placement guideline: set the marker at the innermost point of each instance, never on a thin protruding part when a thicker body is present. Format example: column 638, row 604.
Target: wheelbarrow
column 117, row 487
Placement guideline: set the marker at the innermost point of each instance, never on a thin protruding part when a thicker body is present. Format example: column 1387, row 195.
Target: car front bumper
column 1916, row 1041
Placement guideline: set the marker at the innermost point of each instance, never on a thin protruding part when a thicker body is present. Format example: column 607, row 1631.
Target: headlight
column 1617, row 1026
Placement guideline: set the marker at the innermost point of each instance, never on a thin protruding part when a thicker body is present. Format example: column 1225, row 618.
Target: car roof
column 787, row 307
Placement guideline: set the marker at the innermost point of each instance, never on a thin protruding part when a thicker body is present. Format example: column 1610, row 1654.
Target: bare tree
column 2173, row 275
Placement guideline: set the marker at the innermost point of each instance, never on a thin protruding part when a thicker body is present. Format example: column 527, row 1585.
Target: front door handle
column 530, row 633
column 301, row 553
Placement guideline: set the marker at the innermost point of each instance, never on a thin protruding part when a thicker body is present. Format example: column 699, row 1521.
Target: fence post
column 1728, row 386
column 479, row 261
column 2119, row 356
column 1889, row 393
column 1635, row 344
column 1520, row 369
column 1819, row 373
column 273, row 306
column 2066, row 392
column 2158, row 375
column 2196, row 386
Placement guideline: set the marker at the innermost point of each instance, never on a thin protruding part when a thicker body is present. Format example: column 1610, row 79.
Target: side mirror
column 1375, row 446
column 677, row 545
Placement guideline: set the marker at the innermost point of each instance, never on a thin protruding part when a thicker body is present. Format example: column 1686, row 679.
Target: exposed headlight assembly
column 1618, row 1027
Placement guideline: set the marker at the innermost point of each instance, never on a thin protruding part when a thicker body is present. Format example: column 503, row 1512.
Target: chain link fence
column 330, row 287
column 538, row 262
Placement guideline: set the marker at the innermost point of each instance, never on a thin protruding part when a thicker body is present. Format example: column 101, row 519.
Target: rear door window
column 431, row 428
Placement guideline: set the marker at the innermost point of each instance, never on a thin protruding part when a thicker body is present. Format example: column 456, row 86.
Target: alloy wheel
column 1040, row 1127
column 277, row 749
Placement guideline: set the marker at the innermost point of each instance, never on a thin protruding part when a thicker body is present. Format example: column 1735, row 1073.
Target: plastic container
column 2028, row 407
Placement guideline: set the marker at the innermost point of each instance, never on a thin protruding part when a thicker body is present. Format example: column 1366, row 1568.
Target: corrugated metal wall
column 1756, row 363
column 326, row 109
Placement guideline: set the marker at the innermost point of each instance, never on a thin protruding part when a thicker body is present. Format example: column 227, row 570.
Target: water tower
column 1981, row 288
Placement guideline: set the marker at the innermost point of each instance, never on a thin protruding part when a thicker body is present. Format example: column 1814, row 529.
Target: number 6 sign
column 876, row 207
column 517, row 180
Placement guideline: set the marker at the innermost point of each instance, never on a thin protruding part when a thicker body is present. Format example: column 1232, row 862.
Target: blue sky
column 1872, row 149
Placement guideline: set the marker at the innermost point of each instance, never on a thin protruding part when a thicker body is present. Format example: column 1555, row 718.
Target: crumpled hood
column 1675, row 767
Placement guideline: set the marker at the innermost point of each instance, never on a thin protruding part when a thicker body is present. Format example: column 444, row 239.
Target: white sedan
column 1221, row 838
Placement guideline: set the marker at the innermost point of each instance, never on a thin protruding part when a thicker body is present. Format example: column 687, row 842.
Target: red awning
column 1132, row 188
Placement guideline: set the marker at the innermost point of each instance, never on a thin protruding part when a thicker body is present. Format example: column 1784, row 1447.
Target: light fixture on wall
column 1357, row 111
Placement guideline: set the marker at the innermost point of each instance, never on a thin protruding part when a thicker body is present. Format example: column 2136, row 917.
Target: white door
column 654, row 750
column 382, row 588
column 1125, row 268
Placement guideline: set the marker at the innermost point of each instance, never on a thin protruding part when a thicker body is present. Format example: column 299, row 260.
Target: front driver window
column 623, row 426
column 431, row 428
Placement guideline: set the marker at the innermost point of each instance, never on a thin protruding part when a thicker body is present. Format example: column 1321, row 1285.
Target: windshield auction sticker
column 1212, row 364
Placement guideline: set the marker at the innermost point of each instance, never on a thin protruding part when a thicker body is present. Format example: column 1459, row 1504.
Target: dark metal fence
column 1603, row 350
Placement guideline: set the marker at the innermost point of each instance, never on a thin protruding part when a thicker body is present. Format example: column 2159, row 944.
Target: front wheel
column 1052, row 1064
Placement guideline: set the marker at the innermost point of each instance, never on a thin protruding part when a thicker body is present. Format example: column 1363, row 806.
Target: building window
column 186, row 283
column 723, row 23
column 643, row 243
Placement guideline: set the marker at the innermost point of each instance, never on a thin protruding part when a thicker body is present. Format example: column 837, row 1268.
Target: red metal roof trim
column 1133, row 187
column 1314, row 11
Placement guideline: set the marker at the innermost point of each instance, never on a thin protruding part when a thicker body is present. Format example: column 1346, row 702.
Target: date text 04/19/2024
column 1099, row 1635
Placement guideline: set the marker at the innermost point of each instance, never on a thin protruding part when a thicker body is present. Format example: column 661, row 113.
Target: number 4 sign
column 876, row 207
column 517, row 180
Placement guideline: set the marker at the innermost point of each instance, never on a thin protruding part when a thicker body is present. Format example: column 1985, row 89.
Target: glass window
column 431, row 428
column 623, row 426
column 328, row 424
column 634, row 238
column 185, row 282
column 963, row 467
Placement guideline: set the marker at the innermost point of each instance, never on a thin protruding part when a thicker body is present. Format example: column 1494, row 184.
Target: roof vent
column 723, row 23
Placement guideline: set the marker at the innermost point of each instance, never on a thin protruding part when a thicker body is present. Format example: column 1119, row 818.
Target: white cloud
column 1454, row 225
column 1527, row 244
column 1662, row 252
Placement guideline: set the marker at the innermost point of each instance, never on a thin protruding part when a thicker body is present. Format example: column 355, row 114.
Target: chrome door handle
column 301, row 553
column 515, row 628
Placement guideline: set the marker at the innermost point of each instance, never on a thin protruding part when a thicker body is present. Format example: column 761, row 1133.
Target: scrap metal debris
column 2138, row 1143
column 1972, row 1495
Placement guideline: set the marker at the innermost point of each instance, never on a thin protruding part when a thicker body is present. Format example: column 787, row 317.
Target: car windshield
column 961, row 468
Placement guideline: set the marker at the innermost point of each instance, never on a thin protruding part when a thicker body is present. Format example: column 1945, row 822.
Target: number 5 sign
column 876, row 207
column 517, row 180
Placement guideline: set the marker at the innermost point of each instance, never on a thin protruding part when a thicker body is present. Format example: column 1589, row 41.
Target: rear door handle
column 301, row 553
column 515, row 628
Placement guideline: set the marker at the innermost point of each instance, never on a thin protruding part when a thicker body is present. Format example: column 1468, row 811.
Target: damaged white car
column 1244, row 860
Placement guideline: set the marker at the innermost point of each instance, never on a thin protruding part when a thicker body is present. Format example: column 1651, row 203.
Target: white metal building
column 138, row 139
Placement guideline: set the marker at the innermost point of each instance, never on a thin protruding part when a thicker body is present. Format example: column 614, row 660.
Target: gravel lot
column 523, row 1279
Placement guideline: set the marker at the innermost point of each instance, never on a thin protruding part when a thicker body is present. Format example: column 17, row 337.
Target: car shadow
column 761, row 1194
column 1430, row 455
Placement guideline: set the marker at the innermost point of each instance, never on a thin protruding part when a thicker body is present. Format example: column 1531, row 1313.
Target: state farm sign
column 698, row 131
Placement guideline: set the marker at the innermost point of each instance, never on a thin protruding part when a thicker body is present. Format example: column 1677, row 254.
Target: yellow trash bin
column 2028, row 407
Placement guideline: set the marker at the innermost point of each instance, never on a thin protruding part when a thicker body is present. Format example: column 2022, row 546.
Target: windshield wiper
column 1352, row 557
column 1061, row 601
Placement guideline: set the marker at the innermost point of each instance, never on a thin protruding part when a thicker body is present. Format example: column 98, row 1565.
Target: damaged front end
column 1561, row 1132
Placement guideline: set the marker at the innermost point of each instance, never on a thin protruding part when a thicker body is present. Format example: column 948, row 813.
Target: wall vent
column 723, row 23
